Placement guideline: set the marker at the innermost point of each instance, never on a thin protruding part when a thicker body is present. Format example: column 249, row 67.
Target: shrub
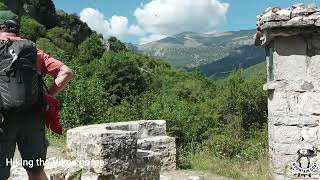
column 91, row 49
column 62, row 38
column 52, row 49
column 31, row 29
column 83, row 102
column 121, row 76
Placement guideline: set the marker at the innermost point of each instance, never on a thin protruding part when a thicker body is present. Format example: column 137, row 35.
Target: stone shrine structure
column 292, row 40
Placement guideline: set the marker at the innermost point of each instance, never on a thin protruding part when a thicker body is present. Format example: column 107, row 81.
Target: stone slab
column 165, row 146
column 145, row 128
column 114, row 147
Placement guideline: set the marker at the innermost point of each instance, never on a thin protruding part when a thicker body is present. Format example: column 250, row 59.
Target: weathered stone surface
column 280, row 162
column 94, row 176
column 287, row 66
column 295, row 104
column 115, row 147
column 283, row 14
column 298, row 21
column 293, row 86
column 295, row 120
column 293, row 134
column 165, row 146
column 289, row 149
column 285, row 134
column 299, row 18
column 111, row 152
column 314, row 68
column 275, row 85
column 144, row 128
column 148, row 165
column 309, row 103
column 295, row 16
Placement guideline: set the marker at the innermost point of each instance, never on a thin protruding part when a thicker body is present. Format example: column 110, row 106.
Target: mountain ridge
column 213, row 54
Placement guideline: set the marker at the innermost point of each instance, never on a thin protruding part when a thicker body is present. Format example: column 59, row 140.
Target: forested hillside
column 214, row 123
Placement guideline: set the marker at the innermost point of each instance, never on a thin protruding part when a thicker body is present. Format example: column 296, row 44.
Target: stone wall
column 292, row 41
column 129, row 150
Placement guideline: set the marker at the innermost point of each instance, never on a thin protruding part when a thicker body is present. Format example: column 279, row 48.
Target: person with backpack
column 23, row 98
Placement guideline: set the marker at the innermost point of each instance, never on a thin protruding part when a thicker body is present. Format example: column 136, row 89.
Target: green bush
column 244, row 100
column 121, row 76
column 51, row 49
column 31, row 29
column 83, row 102
column 62, row 39
column 91, row 49
column 116, row 45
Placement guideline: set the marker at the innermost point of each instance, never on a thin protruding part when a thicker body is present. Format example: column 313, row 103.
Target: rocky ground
column 189, row 175
column 18, row 173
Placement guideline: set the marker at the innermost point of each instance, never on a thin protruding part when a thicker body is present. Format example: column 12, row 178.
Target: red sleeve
column 47, row 64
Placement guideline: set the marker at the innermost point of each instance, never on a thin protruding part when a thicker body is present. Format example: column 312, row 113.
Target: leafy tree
column 62, row 38
column 121, row 76
column 116, row 45
column 92, row 48
column 52, row 49
column 83, row 102
column 31, row 29
column 245, row 100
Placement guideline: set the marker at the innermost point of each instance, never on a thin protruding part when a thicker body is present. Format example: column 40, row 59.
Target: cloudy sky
column 143, row 21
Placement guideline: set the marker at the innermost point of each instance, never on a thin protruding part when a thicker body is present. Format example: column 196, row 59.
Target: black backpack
column 21, row 85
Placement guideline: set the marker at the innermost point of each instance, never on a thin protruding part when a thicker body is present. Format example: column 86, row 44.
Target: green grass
column 232, row 168
column 56, row 140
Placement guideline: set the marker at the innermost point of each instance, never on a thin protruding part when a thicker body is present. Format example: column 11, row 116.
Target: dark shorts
column 27, row 131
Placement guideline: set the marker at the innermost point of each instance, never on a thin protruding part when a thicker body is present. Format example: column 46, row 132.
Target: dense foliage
column 227, row 119
column 31, row 29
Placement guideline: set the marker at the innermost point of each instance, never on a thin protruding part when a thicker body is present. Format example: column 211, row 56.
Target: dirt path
column 52, row 152
column 189, row 175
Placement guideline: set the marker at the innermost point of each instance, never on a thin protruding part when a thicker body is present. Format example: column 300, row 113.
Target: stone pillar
column 292, row 40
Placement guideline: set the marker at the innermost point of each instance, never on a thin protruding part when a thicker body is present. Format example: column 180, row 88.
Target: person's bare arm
column 64, row 76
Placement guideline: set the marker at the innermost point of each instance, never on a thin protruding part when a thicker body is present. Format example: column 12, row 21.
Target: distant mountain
column 214, row 54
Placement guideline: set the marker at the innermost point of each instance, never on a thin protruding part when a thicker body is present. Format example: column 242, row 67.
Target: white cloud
column 151, row 38
column 135, row 30
column 174, row 16
column 158, row 19
column 115, row 26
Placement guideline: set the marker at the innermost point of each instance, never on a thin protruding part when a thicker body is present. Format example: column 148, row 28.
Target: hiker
column 22, row 98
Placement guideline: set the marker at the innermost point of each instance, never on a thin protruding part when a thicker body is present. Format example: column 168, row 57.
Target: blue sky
column 154, row 21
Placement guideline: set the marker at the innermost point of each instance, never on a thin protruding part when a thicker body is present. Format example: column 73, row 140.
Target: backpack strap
column 44, row 84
